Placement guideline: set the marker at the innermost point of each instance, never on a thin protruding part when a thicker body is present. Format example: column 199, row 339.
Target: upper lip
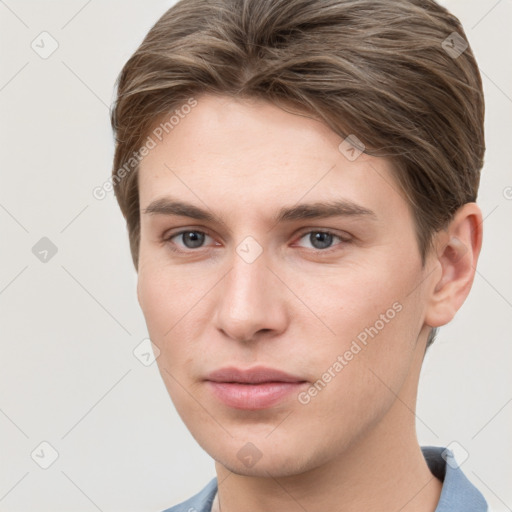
column 256, row 375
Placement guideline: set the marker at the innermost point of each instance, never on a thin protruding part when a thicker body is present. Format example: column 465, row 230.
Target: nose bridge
column 245, row 286
column 248, row 297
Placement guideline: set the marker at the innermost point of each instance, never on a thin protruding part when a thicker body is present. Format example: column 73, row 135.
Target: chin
column 264, row 468
column 259, row 457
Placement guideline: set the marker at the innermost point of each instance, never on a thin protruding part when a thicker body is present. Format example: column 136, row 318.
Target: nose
column 251, row 301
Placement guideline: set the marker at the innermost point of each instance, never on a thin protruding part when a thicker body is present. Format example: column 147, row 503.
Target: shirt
column 458, row 494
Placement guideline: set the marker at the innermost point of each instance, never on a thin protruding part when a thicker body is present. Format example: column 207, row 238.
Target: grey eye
column 191, row 239
column 320, row 239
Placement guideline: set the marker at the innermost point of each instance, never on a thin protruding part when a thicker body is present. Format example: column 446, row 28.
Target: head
column 250, row 110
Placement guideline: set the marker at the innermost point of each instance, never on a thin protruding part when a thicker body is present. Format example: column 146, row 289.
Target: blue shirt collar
column 458, row 493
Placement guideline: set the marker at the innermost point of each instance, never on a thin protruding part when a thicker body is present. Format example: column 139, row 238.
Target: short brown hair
column 393, row 73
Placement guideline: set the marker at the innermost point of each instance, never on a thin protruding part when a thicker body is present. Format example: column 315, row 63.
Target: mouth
column 254, row 388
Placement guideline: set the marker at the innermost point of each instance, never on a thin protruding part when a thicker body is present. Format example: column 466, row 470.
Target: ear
column 457, row 250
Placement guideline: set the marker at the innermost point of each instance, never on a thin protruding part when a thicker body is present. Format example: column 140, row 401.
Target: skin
column 354, row 445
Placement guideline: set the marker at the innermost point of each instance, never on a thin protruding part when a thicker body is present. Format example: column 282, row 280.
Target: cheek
column 353, row 301
column 165, row 295
column 165, row 299
column 162, row 300
column 359, row 380
column 375, row 321
column 174, row 309
column 154, row 299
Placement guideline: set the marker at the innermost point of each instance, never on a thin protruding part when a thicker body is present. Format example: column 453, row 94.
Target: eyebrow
column 316, row 210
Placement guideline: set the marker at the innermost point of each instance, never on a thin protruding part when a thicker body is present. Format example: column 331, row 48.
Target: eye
column 191, row 238
column 322, row 240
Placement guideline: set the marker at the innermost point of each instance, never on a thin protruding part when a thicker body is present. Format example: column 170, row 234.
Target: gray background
column 69, row 326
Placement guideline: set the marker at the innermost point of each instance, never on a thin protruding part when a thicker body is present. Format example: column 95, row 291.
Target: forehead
column 251, row 154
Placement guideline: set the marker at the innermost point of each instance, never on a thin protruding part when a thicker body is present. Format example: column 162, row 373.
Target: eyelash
column 344, row 240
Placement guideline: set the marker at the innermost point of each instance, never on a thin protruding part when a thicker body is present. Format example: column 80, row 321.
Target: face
column 260, row 282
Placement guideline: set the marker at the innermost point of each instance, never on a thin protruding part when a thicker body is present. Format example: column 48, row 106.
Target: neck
column 383, row 470
column 375, row 477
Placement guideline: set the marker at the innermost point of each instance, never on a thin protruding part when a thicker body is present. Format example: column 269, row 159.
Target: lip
column 255, row 375
column 253, row 388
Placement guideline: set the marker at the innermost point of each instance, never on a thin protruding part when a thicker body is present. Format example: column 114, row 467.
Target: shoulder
column 200, row 502
column 458, row 493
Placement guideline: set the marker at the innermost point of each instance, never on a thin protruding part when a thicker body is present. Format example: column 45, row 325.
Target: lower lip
column 253, row 396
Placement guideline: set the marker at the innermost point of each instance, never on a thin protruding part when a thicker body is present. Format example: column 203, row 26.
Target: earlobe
column 458, row 248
